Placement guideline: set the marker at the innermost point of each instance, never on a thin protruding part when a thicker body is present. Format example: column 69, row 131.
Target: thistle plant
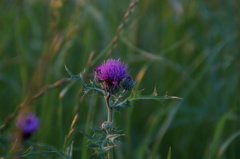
column 112, row 81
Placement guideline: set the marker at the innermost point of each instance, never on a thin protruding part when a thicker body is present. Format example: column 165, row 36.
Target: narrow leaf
column 121, row 104
column 107, row 148
column 153, row 98
column 69, row 151
column 113, row 137
column 136, row 95
column 169, row 153
column 86, row 87
column 88, row 136
column 78, row 78
column 225, row 145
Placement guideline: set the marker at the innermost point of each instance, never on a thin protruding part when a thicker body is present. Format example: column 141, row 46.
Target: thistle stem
column 109, row 108
column 110, row 115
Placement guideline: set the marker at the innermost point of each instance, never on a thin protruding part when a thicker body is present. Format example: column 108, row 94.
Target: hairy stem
column 110, row 119
column 108, row 107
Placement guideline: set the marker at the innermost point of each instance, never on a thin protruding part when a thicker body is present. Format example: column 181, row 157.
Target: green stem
column 108, row 107
column 110, row 115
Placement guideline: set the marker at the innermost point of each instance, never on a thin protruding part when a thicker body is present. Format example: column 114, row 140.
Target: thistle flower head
column 27, row 123
column 111, row 72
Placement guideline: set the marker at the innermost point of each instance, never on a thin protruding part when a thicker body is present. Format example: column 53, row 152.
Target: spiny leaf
column 69, row 151
column 53, row 149
column 32, row 151
column 78, row 78
column 136, row 95
column 113, row 137
column 95, row 142
column 101, row 141
column 88, row 136
column 86, row 87
column 97, row 139
column 121, row 104
column 107, row 148
column 98, row 132
column 147, row 97
column 154, row 92
column 27, row 152
column 100, row 151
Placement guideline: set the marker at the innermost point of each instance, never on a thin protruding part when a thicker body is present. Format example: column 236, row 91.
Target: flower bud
column 128, row 83
column 106, row 125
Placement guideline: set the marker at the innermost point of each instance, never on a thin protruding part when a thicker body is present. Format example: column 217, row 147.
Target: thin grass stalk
column 139, row 78
column 60, row 121
column 121, row 26
column 68, row 138
column 107, row 51
column 162, row 131
column 88, row 124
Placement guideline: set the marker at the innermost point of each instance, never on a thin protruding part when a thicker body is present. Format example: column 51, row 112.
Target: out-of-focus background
column 184, row 48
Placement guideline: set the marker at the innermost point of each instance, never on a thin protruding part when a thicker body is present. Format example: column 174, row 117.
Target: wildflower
column 111, row 73
column 27, row 123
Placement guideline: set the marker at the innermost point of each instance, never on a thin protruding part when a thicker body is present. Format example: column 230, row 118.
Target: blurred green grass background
column 188, row 49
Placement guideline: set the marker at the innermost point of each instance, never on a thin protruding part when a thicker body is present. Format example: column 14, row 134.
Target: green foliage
column 36, row 149
column 86, row 87
column 226, row 143
column 169, row 153
column 189, row 49
column 118, row 103
column 136, row 95
column 121, row 104
column 102, row 140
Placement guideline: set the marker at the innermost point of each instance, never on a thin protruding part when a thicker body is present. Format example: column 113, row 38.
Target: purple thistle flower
column 111, row 72
column 27, row 123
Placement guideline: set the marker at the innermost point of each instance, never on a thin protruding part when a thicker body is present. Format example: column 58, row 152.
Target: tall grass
column 188, row 49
